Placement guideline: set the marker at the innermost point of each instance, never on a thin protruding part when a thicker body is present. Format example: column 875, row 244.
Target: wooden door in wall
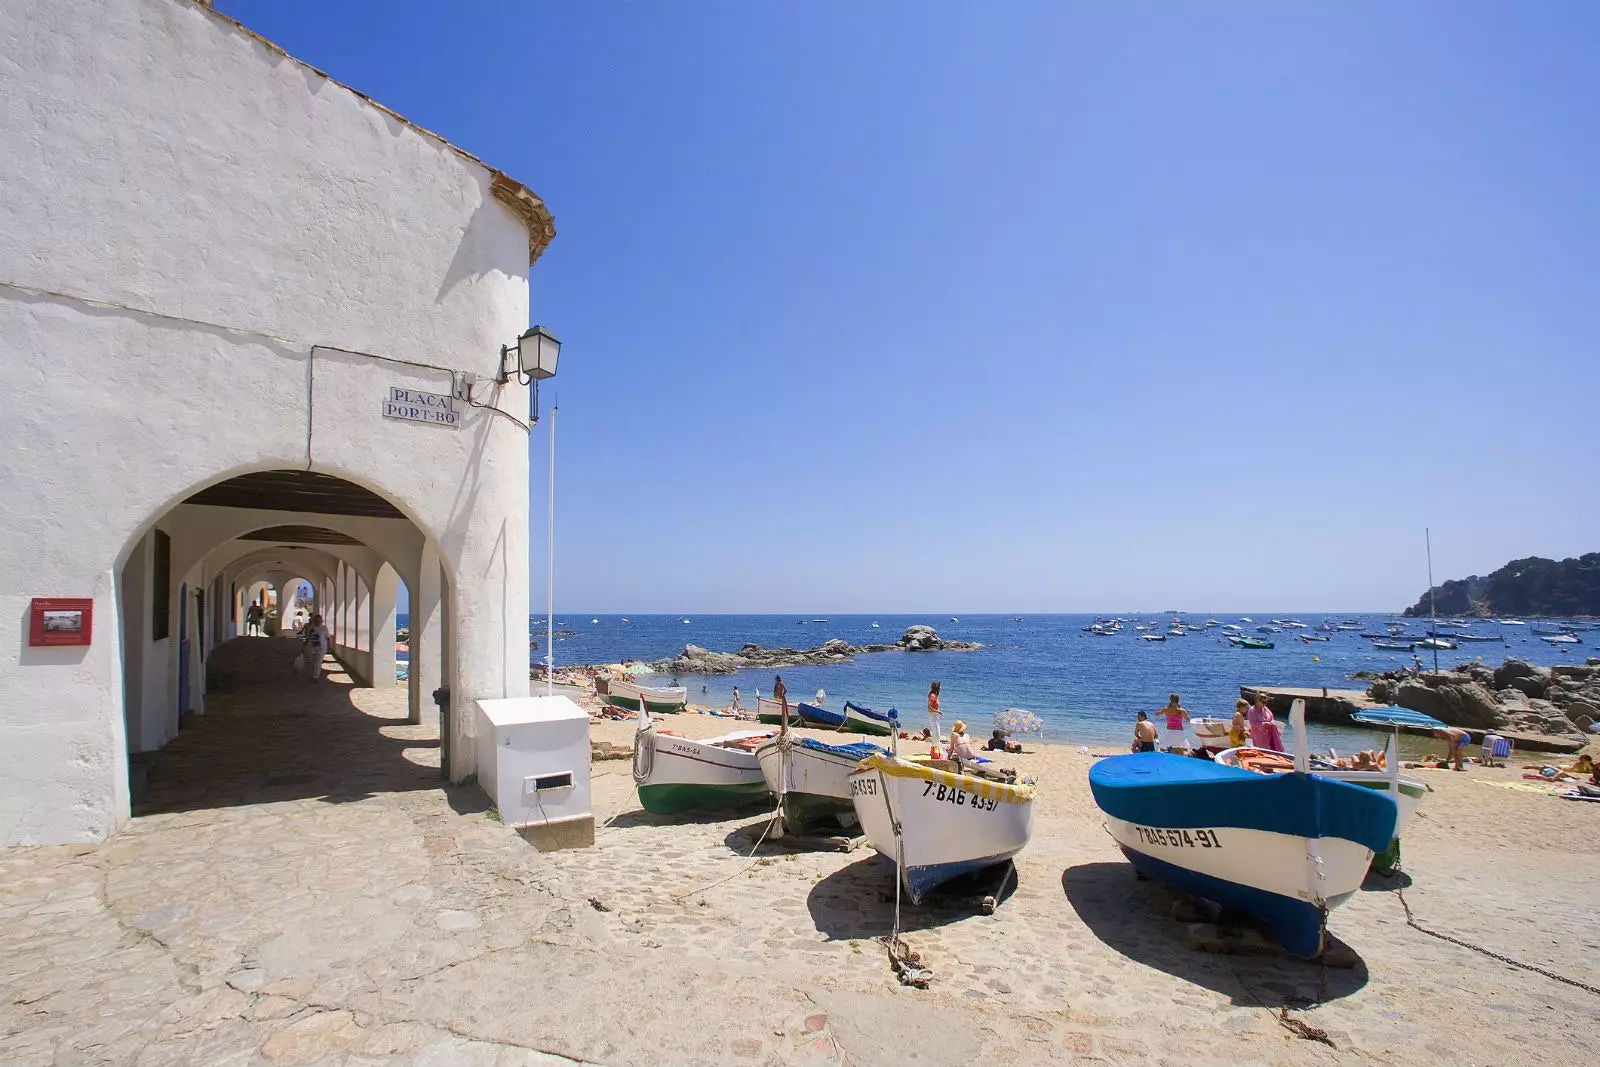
column 183, row 650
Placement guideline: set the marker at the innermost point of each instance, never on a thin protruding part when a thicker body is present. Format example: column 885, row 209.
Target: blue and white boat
column 854, row 718
column 936, row 825
column 1287, row 848
column 811, row 779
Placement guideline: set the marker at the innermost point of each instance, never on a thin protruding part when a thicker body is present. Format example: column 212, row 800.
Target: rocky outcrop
column 1563, row 701
column 696, row 660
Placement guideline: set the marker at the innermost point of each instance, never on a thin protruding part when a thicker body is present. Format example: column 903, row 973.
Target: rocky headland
column 1562, row 701
column 696, row 660
column 1564, row 589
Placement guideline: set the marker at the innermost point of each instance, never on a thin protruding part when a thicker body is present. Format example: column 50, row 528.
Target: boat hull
column 677, row 774
column 662, row 701
column 950, row 824
column 816, row 791
column 770, row 712
column 1286, row 848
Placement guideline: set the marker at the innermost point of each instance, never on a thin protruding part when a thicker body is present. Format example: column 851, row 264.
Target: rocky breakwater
column 1560, row 702
column 696, row 660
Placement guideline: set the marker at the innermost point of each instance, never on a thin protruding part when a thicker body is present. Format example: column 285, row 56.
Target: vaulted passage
column 271, row 735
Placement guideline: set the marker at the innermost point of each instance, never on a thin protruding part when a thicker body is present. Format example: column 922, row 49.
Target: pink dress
column 1274, row 735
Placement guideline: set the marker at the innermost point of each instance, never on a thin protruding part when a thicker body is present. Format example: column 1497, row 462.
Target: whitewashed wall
column 185, row 214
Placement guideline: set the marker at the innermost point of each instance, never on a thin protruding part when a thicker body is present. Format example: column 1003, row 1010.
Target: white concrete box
column 533, row 761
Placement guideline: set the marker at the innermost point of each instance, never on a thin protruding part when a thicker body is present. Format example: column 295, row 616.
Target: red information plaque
column 61, row 621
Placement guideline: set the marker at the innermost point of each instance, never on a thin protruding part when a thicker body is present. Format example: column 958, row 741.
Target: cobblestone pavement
column 297, row 888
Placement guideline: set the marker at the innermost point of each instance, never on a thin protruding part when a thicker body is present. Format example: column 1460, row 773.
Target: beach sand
column 303, row 891
column 1085, row 960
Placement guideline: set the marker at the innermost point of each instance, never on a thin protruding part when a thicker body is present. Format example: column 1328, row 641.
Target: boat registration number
column 959, row 797
column 1155, row 835
column 863, row 787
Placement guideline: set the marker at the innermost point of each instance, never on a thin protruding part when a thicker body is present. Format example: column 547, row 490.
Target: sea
column 1085, row 688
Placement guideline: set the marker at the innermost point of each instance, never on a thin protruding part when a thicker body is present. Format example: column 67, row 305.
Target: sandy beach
column 1083, row 958
column 337, row 906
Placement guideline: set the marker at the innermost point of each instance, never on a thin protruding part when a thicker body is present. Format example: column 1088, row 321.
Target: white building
column 215, row 266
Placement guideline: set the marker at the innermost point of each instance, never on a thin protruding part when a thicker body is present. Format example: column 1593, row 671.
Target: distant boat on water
column 1437, row 643
column 1392, row 646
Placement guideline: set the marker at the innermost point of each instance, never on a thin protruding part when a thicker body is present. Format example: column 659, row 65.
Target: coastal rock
column 1518, row 668
column 1582, row 714
column 920, row 639
column 1529, row 686
column 1469, row 705
column 696, row 660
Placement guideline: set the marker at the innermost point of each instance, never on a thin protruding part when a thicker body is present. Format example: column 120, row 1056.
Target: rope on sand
column 903, row 959
column 1507, row 960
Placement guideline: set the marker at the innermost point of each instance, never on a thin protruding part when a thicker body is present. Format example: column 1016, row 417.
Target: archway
column 277, row 538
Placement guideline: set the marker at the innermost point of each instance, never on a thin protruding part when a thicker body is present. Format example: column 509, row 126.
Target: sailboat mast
column 1433, row 612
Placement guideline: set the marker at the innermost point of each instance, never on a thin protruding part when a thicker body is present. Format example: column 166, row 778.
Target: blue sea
column 1085, row 688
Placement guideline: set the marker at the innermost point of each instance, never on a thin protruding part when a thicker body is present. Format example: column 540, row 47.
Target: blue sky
column 1035, row 306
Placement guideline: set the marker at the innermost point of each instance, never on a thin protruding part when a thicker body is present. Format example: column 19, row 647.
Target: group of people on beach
column 1253, row 724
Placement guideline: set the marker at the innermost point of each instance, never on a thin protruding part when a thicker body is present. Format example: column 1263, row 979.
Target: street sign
column 413, row 406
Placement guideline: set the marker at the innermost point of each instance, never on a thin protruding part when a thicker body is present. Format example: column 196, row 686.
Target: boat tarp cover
column 872, row 713
column 1397, row 716
column 858, row 751
column 1157, row 789
column 812, row 713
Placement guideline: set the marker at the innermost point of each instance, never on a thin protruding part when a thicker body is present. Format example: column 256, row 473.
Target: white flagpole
column 550, row 572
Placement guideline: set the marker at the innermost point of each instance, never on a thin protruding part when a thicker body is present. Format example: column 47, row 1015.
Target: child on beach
column 1239, row 730
column 1177, row 718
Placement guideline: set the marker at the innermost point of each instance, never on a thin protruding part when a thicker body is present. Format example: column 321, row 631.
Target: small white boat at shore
column 815, row 791
column 949, row 824
column 663, row 700
column 677, row 774
column 1212, row 733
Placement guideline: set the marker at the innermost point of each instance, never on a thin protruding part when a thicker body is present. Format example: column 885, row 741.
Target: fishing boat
column 1392, row 646
column 1438, row 643
column 1213, row 733
column 812, row 780
column 1175, row 632
column 770, row 712
column 1478, row 637
column 1251, row 642
column 1287, row 848
column 935, row 825
column 1406, row 790
column 1560, row 639
column 1155, row 637
column 663, row 700
column 1315, row 637
column 853, row 718
column 676, row 774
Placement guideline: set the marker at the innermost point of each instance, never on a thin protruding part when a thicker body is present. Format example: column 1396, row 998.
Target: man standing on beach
column 780, row 695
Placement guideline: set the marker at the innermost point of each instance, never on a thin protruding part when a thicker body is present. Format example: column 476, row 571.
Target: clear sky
column 1035, row 306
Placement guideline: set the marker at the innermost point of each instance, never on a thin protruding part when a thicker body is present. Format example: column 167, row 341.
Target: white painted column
column 385, row 594
column 427, row 637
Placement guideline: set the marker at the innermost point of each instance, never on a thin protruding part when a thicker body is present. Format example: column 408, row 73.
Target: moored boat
column 663, row 700
column 1250, row 642
column 1392, row 646
column 1437, row 643
column 815, row 791
column 676, row 774
column 949, row 824
column 1212, row 733
column 770, row 712
column 1286, row 848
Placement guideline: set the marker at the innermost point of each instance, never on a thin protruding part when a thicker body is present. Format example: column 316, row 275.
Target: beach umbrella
column 1018, row 721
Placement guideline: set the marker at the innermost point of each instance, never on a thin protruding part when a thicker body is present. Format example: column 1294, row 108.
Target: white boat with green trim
column 1406, row 790
column 663, row 700
column 677, row 774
